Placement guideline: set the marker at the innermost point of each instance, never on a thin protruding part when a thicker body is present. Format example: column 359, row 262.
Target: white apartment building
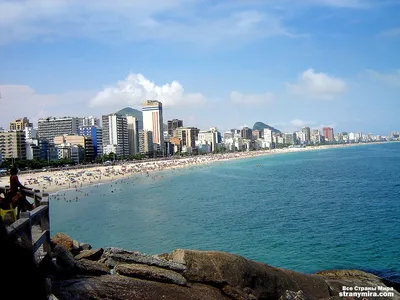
column 153, row 121
column 268, row 135
column 208, row 137
column 115, row 135
column 89, row 121
column 49, row 128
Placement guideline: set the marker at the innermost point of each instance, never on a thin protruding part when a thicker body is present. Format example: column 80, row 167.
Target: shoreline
column 57, row 181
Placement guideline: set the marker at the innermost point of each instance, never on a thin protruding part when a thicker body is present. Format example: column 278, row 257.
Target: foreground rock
column 265, row 282
column 122, row 288
column 150, row 273
column 189, row 274
column 114, row 256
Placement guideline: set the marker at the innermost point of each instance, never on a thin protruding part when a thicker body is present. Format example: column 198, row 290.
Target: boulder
column 266, row 282
column 113, row 256
column 88, row 267
column 150, row 273
column 90, row 254
column 64, row 258
column 85, row 246
column 337, row 279
column 121, row 288
column 76, row 248
column 63, row 240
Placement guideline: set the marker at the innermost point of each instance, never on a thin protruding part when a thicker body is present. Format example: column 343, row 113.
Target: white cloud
column 20, row 100
column 317, row 85
column 300, row 123
column 135, row 89
column 118, row 21
column 392, row 79
column 251, row 99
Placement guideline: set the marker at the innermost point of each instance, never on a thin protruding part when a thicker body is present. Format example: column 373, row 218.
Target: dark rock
column 63, row 240
column 85, row 246
column 119, row 287
column 64, row 258
column 88, row 267
column 237, row 294
column 337, row 279
column 113, row 256
column 290, row 295
column 150, row 273
column 90, row 254
column 266, row 282
column 76, row 248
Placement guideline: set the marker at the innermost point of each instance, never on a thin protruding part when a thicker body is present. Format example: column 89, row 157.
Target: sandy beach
column 55, row 181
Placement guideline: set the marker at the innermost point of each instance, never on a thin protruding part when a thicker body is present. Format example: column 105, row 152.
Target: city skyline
column 224, row 64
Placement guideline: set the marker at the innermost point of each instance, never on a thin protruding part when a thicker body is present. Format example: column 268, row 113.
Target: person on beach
column 16, row 195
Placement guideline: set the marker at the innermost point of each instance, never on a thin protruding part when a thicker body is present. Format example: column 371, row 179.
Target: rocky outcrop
column 266, row 282
column 189, row 274
column 63, row 240
column 119, row 287
column 355, row 279
column 114, row 256
column 90, row 254
column 151, row 273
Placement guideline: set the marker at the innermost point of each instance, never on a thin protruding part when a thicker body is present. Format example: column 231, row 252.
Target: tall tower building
column 307, row 133
column 268, row 135
column 145, row 142
column 115, row 135
column 153, row 121
column 328, row 133
column 133, row 135
column 174, row 124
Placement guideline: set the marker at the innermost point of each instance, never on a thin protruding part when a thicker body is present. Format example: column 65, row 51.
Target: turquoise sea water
column 308, row 211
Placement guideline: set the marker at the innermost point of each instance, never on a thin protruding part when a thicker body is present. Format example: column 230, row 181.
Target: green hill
column 134, row 113
column 262, row 126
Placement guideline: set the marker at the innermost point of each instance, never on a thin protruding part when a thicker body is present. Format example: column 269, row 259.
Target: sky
column 287, row 63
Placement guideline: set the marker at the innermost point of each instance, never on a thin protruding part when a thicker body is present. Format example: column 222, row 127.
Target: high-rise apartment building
column 20, row 124
column 153, row 121
column 307, row 134
column 89, row 121
column 209, row 137
column 49, row 128
column 115, row 135
column 96, row 133
column 174, row 124
column 328, row 134
column 133, row 135
column 268, row 135
column 70, row 145
column 290, row 138
column 246, row 133
column 188, row 136
column 12, row 144
column 146, row 142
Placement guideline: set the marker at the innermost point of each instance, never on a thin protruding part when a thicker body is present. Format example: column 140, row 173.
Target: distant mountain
column 137, row 114
column 262, row 126
column 134, row 113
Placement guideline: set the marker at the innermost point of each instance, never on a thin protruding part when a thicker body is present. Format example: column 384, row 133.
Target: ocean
column 305, row 211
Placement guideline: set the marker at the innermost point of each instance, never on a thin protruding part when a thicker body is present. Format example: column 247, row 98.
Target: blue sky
column 288, row 63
